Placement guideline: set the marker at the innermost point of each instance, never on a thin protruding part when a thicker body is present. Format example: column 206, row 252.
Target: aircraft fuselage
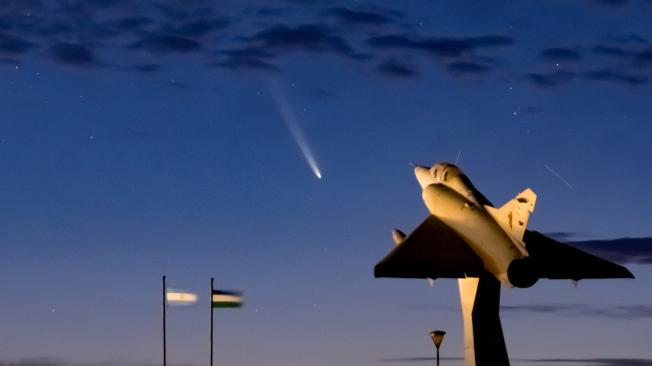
column 485, row 237
column 451, row 198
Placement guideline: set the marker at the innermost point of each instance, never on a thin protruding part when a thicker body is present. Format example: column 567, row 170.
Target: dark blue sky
column 141, row 139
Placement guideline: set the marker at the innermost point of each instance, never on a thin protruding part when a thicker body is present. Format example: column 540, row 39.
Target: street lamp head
column 437, row 337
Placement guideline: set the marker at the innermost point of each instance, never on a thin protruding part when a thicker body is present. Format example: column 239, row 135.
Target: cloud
column 563, row 235
column 75, row 32
column 247, row 58
column 629, row 38
column 638, row 57
column 306, row 37
column 630, row 311
column 13, row 45
column 10, row 61
column 617, row 59
column 467, row 67
column 639, row 311
column 613, row 3
column 134, row 35
column 144, row 68
column 129, row 23
column 622, row 250
column 246, row 63
column 560, row 54
column 551, row 79
column 615, row 76
column 167, row 44
column 610, row 51
column 397, row 69
column 442, row 47
column 19, row 5
column 457, row 54
column 73, row 54
column 249, row 52
column 39, row 361
column 199, row 27
column 578, row 361
column 264, row 12
column 48, row 361
column 644, row 57
column 358, row 17
column 417, row 359
column 171, row 12
column 596, row 361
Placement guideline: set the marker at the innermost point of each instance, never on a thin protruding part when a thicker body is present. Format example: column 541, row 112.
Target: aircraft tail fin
column 513, row 215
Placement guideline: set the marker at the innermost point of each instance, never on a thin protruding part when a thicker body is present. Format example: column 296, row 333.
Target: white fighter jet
column 467, row 238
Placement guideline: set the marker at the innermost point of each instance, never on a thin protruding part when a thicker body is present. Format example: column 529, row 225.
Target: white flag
column 180, row 297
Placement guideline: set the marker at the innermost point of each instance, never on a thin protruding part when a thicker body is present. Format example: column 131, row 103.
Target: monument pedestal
column 484, row 344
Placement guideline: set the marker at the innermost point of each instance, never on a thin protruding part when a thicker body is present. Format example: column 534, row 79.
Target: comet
column 292, row 123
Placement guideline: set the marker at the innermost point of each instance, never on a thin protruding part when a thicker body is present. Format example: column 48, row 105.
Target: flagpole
column 164, row 341
column 211, row 304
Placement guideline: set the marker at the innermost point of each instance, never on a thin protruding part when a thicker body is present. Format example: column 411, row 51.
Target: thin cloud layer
column 632, row 311
column 623, row 250
column 358, row 17
column 441, row 47
column 468, row 67
column 639, row 311
column 394, row 68
column 534, row 361
column 73, row 54
column 306, row 37
column 139, row 37
column 624, row 60
column 47, row 361
column 166, row 44
column 560, row 54
column 610, row 75
column 551, row 79
column 598, row 361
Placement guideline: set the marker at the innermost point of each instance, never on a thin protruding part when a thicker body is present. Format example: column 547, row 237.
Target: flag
column 226, row 299
column 180, row 297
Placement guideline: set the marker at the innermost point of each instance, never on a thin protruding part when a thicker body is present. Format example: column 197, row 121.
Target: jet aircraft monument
column 467, row 238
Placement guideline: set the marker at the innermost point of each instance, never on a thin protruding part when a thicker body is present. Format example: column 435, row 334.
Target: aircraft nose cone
column 423, row 176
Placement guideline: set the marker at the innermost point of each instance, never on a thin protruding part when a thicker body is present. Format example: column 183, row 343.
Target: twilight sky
column 164, row 137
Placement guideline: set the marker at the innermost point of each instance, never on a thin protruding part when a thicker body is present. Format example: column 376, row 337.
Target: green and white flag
column 226, row 299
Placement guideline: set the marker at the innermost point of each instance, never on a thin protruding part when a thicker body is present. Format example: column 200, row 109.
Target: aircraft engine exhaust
column 521, row 273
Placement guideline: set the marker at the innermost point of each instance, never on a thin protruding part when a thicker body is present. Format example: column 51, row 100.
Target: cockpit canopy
column 451, row 176
column 445, row 172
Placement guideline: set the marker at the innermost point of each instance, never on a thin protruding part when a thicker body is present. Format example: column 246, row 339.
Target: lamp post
column 437, row 336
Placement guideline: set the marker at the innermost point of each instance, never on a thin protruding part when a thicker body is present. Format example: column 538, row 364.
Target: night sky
column 176, row 137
